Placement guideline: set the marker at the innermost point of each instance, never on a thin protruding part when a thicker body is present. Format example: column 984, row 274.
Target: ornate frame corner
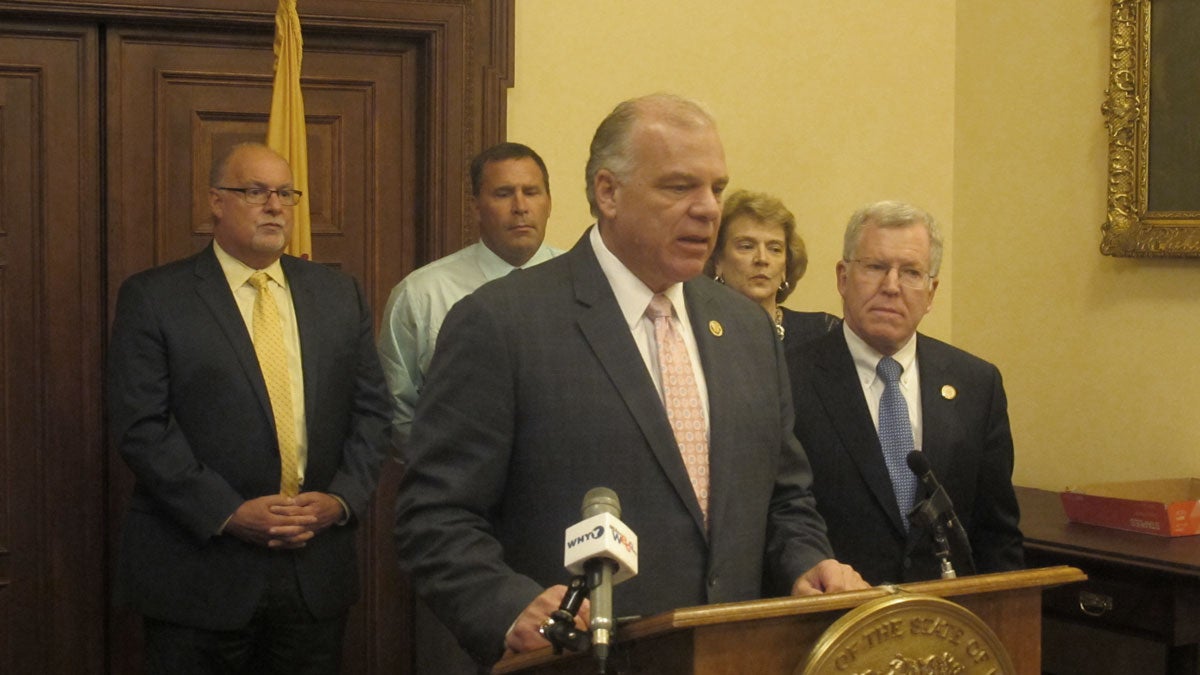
column 1131, row 230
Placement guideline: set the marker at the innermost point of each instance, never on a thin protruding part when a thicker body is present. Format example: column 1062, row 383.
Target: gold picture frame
column 1149, row 217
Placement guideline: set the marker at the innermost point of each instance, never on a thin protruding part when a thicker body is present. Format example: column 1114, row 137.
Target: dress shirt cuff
column 345, row 510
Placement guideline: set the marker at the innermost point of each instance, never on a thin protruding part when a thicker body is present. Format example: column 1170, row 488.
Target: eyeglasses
column 876, row 271
column 287, row 196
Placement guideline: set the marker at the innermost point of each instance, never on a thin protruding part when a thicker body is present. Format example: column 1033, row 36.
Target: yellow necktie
column 272, row 358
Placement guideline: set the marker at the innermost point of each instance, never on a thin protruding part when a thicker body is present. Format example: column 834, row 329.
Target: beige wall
column 805, row 103
column 985, row 113
column 1100, row 354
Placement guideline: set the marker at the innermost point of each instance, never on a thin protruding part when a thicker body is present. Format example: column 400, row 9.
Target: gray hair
column 892, row 214
column 611, row 145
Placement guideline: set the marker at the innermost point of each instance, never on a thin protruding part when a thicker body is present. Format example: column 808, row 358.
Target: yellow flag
column 285, row 130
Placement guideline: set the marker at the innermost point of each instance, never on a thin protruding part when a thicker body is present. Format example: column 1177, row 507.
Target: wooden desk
column 1139, row 610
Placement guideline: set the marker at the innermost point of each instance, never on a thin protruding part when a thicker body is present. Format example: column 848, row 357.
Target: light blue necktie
column 896, row 436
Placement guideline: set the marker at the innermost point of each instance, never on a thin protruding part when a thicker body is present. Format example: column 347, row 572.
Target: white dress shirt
column 633, row 296
column 866, row 358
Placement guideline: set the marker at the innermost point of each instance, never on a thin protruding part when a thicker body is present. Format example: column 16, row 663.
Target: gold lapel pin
column 949, row 392
column 716, row 328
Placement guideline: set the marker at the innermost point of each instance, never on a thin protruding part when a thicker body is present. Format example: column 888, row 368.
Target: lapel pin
column 949, row 392
column 716, row 328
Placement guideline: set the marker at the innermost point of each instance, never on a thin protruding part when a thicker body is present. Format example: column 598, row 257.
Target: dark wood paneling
column 52, row 493
column 180, row 98
column 399, row 95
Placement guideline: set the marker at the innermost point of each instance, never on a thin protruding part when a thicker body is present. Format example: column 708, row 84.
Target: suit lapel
column 602, row 323
column 838, row 387
column 720, row 359
column 304, row 304
column 939, row 425
column 213, row 289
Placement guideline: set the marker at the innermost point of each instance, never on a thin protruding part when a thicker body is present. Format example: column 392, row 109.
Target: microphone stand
column 560, row 630
column 599, row 583
column 925, row 514
column 961, row 541
column 937, row 510
column 942, row 551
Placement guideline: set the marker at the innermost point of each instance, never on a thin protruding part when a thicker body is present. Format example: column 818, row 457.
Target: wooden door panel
column 52, row 591
column 184, row 97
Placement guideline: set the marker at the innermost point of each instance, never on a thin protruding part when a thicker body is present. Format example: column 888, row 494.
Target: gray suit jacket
column 537, row 393
column 965, row 437
column 190, row 414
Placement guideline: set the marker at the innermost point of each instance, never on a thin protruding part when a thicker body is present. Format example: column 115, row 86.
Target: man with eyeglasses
column 871, row 393
column 246, row 396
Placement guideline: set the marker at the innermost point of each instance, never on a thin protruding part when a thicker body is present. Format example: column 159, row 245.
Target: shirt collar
column 237, row 273
column 866, row 357
column 633, row 296
column 494, row 267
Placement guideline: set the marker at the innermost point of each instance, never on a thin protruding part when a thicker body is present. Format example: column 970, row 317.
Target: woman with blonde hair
column 760, row 254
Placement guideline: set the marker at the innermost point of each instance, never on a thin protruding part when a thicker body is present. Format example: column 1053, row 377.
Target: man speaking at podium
column 612, row 365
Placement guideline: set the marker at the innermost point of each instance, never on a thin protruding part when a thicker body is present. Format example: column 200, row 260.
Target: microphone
column 604, row 549
column 938, row 509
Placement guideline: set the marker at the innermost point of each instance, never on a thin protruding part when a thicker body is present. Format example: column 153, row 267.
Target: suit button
column 907, row 563
column 713, row 581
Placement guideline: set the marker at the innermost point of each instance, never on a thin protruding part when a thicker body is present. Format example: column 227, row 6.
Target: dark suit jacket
column 965, row 437
column 800, row 328
column 537, row 393
column 190, row 414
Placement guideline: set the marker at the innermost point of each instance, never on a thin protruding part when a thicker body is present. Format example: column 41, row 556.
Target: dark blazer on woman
column 800, row 328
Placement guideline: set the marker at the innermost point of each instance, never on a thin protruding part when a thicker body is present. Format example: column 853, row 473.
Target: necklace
column 779, row 330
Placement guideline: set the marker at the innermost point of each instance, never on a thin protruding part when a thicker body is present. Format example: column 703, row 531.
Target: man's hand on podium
column 828, row 576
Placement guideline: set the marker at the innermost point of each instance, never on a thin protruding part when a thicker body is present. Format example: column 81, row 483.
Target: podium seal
column 908, row 634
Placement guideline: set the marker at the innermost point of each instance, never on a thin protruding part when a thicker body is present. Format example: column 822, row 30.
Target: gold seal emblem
column 949, row 392
column 907, row 633
column 716, row 328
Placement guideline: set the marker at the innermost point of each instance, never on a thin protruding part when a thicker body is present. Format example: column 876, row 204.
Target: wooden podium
column 776, row 636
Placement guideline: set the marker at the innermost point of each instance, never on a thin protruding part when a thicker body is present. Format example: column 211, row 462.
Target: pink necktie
column 681, row 397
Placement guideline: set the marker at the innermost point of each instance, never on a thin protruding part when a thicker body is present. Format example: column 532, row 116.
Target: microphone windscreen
column 918, row 463
column 601, row 534
column 600, row 500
